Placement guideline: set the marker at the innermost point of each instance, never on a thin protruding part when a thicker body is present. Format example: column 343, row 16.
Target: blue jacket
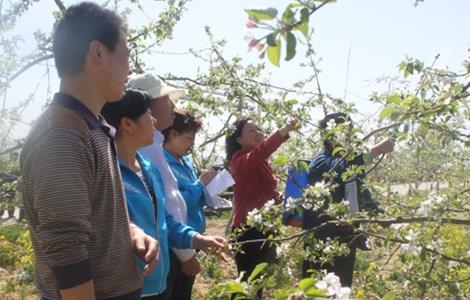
column 321, row 165
column 192, row 190
column 162, row 227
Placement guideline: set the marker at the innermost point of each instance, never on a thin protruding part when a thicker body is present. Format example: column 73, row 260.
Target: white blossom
column 320, row 188
column 411, row 248
column 332, row 285
column 330, row 124
column 307, row 205
column 370, row 243
column 425, row 208
column 398, row 226
column 254, row 216
column 411, row 236
column 291, row 203
column 269, row 205
column 282, row 249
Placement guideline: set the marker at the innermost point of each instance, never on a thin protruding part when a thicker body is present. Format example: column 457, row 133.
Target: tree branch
column 11, row 149
column 61, row 6
column 400, row 220
column 444, row 256
column 25, row 68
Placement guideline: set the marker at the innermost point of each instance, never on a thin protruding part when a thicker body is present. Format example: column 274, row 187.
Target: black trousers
column 179, row 286
column 342, row 266
column 253, row 253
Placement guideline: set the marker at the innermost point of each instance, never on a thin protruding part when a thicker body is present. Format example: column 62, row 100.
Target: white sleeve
column 174, row 203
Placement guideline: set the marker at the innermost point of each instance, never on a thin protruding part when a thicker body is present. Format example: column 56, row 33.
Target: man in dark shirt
column 84, row 244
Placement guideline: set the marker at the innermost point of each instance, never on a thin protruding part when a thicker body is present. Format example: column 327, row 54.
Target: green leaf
column 314, row 292
column 274, row 53
column 395, row 99
column 304, row 14
column 337, row 149
column 295, row 4
column 281, row 295
column 265, row 14
column 271, row 39
column 288, row 17
column 307, row 285
column 292, row 102
column 387, row 112
column 303, row 27
column 280, row 160
column 389, row 296
column 258, row 269
column 235, row 287
column 302, row 166
column 291, row 43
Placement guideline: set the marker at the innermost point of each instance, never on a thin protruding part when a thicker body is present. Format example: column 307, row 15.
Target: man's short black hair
column 80, row 25
column 339, row 118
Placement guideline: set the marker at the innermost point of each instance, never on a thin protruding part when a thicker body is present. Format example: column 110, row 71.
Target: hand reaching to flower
column 291, row 126
column 385, row 146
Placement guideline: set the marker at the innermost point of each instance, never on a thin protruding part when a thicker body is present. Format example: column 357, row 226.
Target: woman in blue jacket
column 144, row 189
column 178, row 143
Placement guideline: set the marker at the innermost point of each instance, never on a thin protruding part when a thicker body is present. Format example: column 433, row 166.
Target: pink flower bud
column 251, row 23
column 252, row 42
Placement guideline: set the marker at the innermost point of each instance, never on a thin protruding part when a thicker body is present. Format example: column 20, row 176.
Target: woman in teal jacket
column 178, row 143
column 144, row 189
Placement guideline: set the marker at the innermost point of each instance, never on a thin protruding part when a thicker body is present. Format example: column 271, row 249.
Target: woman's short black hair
column 182, row 122
column 231, row 143
column 134, row 104
column 80, row 25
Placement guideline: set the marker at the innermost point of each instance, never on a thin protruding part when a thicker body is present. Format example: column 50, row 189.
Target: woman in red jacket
column 255, row 184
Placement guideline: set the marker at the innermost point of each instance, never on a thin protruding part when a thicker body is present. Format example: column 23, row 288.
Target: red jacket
column 255, row 182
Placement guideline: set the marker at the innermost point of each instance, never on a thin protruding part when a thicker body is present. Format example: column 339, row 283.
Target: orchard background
column 420, row 243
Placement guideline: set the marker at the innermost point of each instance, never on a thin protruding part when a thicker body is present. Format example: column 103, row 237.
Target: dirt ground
column 227, row 270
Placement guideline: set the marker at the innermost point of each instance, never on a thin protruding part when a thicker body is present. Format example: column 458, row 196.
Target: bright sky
column 379, row 33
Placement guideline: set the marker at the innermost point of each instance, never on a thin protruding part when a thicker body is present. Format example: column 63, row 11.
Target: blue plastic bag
column 297, row 181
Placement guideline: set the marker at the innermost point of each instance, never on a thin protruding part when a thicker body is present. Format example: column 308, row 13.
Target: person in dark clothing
column 350, row 190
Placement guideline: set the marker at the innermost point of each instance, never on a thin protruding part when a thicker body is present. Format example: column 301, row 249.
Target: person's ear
column 96, row 52
column 173, row 133
column 126, row 125
column 238, row 139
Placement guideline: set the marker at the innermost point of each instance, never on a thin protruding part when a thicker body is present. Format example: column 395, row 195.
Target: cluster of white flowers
column 370, row 243
column 321, row 189
column 330, row 124
column 310, row 206
column 254, row 216
column 282, row 249
column 269, row 205
column 291, row 203
column 411, row 247
column 332, row 285
column 398, row 226
column 434, row 200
